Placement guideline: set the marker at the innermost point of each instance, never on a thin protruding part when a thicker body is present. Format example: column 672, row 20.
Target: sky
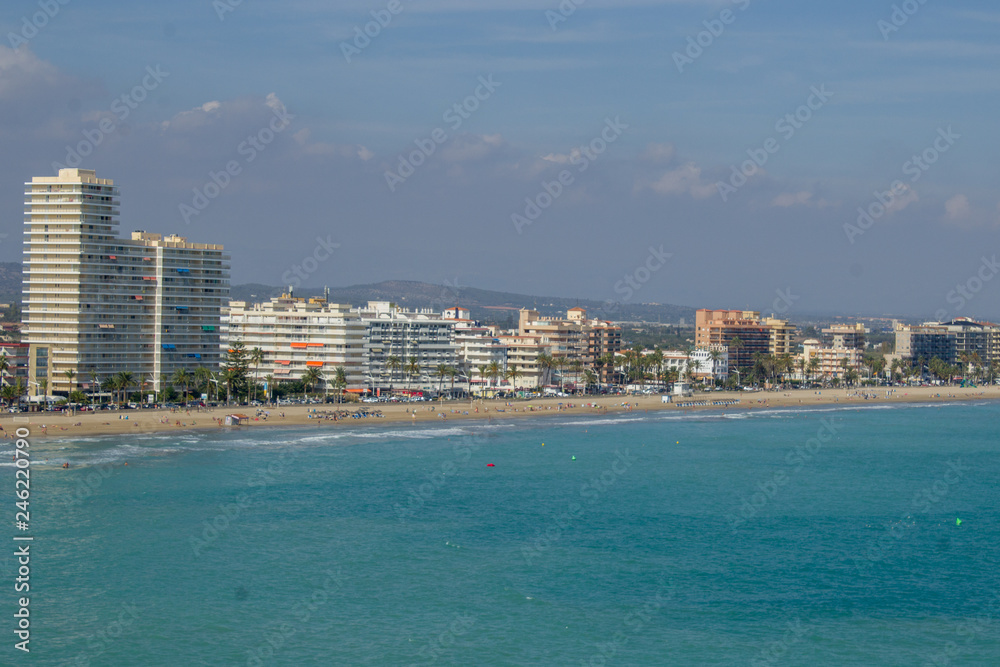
column 782, row 156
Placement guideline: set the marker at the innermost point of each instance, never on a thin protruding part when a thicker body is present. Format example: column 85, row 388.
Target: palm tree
column 413, row 368
column 269, row 392
column 183, row 378
column 43, row 386
column 512, row 375
column 340, row 381
column 19, row 389
column 559, row 363
column 255, row 357
column 441, row 371
column 229, row 377
column 482, row 372
column 714, row 355
column 493, row 371
column 311, row 377
column 201, row 378
column 547, row 364
column 591, row 379
column 813, row 366
column 452, row 372
column 70, row 374
column 94, row 384
column 611, row 362
column 577, row 367
column 8, row 393
column 393, row 364
column 125, row 381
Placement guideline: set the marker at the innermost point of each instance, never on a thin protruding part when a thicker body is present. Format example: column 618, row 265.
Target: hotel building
column 574, row 338
column 423, row 336
column 96, row 305
column 297, row 334
column 478, row 345
column 716, row 329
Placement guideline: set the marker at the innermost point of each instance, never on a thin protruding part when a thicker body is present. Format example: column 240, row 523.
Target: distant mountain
column 10, row 282
column 484, row 304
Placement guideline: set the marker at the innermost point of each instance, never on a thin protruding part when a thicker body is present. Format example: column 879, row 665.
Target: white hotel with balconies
column 97, row 305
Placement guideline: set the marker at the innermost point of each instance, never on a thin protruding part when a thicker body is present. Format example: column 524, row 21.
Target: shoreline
column 52, row 426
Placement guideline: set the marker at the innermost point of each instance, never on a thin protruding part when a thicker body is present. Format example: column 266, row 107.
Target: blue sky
column 324, row 175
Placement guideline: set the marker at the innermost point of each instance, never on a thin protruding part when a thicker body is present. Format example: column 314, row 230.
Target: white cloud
column 685, row 179
column 957, row 208
column 902, row 201
column 659, row 152
column 789, row 199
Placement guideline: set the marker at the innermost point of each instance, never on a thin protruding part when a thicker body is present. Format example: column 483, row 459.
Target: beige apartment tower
column 98, row 305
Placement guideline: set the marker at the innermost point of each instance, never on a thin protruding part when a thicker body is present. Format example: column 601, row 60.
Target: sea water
column 826, row 536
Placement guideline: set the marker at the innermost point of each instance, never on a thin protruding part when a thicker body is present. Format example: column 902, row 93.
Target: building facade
column 297, row 334
column 397, row 340
column 95, row 305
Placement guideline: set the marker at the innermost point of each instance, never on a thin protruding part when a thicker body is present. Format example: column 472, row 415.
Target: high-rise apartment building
column 403, row 348
column 96, row 305
column 717, row 329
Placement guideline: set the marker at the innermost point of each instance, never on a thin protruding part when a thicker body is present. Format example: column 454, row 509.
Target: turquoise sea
column 825, row 536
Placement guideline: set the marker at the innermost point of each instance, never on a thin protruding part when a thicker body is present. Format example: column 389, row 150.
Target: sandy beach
column 59, row 425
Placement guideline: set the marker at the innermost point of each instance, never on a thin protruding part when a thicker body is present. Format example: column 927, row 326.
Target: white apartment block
column 707, row 367
column 477, row 345
column 97, row 305
column 297, row 334
column 421, row 336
